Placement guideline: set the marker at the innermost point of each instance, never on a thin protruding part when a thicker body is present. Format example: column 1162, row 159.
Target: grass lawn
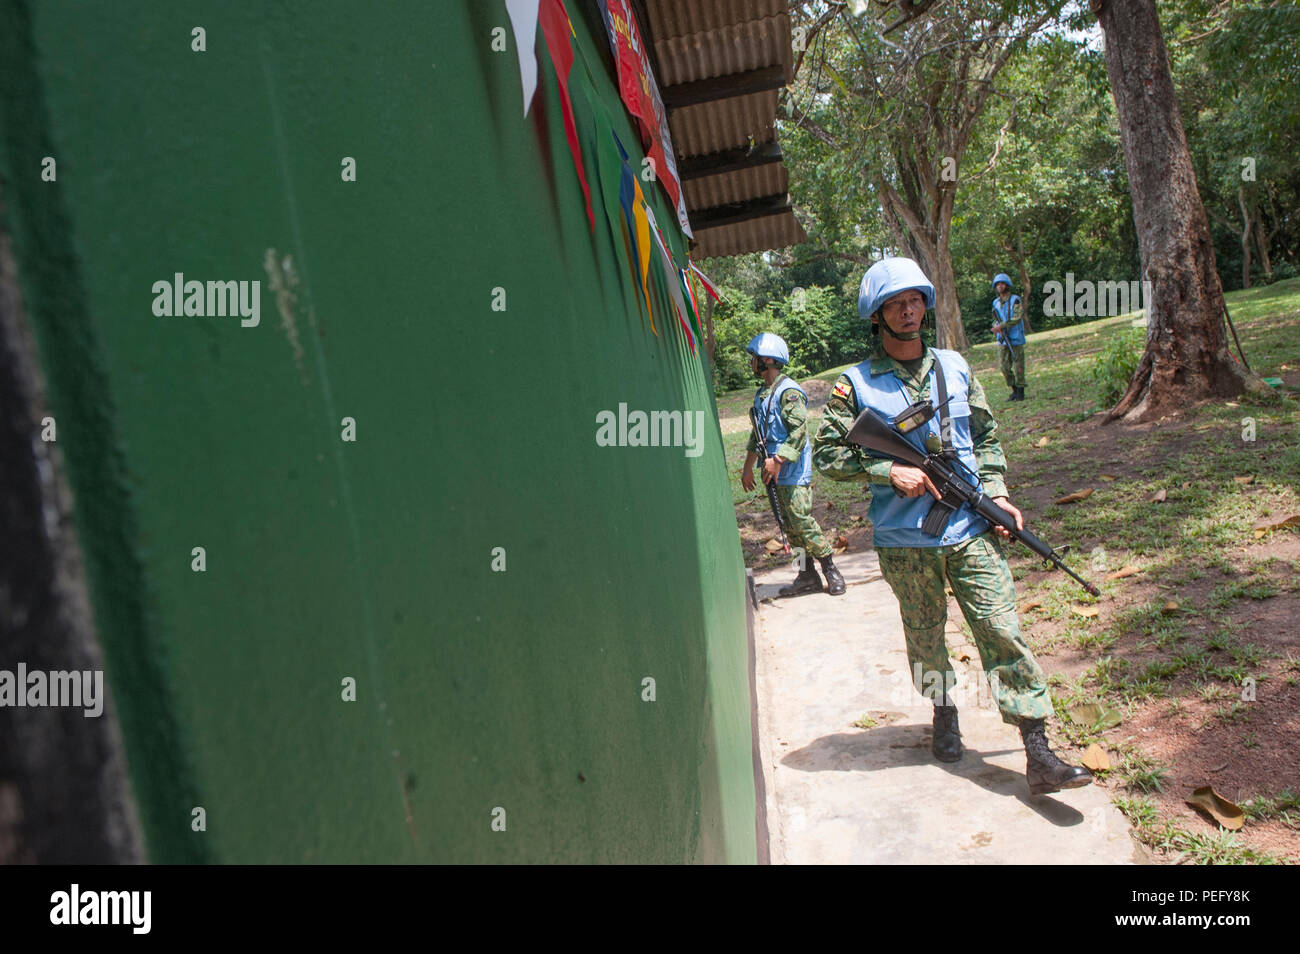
column 1195, row 645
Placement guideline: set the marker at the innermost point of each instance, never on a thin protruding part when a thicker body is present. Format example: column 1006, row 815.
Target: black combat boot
column 947, row 736
column 834, row 581
column 1012, row 395
column 1020, row 393
column 806, row 582
column 1045, row 772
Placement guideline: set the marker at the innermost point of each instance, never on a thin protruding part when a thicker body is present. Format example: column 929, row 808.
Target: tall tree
column 1238, row 80
column 901, row 109
column 1048, row 194
column 1186, row 357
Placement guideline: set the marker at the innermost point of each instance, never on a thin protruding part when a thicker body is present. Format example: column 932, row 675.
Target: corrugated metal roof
column 735, row 48
column 729, row 187
column 756, row 235
column 723, row 124
column 700, row 41
column 672, row 18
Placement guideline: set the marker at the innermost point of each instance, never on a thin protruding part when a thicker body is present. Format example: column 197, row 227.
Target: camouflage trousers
column 1012, row 362
column 981, row 582
column 801, row 530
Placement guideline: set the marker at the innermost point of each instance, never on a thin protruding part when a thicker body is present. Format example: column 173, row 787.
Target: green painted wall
column 475, row 429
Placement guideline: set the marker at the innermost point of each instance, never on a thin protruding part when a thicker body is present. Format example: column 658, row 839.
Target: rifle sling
column 941, row 510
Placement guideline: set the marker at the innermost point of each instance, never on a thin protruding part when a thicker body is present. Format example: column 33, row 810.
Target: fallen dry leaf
column 1042, row 442
column 1123, row 572
column 1095, row 717
column 1087, row 612
column 1276, row 523
column 1160, row 496
column 1096, row 759
column 1226, row 813
column 774, row 546
column 1107, row 477
column 1219, row 768
column 1032, row 604
column 1169, row 608
column 1248, row 479
column 1076, row 496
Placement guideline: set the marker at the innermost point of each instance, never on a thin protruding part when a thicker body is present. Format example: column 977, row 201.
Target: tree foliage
column 1041, row 188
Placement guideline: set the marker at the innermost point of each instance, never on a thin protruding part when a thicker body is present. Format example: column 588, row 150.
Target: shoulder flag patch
column 842, row 389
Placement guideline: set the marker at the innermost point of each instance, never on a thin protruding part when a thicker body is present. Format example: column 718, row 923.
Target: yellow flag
column 643, row 247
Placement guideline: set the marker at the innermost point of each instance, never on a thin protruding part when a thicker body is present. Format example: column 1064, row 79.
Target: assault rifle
column 882, row 436
column 771, row 485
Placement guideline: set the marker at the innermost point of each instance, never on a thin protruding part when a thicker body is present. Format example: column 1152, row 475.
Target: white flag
column 523, row 20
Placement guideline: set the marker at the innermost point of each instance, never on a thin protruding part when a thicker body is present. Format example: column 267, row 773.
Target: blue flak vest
column 795, row 473
column 1016, row 333
column 897, row 520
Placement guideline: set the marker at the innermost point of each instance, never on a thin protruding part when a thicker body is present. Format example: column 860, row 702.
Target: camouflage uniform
column 976, row 568
column 801, row 530
column 981, row 581
column 1011, row 358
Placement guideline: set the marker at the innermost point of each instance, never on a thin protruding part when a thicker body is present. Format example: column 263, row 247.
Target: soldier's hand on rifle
column 771, row 467
column 1005, row 504
column 997, row 327
column 911, row 481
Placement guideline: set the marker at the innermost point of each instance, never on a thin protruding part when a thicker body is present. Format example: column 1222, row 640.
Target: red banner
column 640, row 93
column 555, row 30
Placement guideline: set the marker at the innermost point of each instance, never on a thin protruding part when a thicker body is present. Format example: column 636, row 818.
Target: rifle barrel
column 874, row 433
column 772, row 500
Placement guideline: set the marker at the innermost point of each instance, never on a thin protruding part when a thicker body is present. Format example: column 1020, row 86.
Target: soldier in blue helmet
column 782, row 406
column 967, row 553
column 1009, row 326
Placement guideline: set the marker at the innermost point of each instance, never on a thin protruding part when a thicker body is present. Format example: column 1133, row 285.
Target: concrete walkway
column 838, row 794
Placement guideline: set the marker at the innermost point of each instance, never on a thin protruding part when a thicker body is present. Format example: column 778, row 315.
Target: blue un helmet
column 1001, row 277
column 767, row 345
column 889, row 277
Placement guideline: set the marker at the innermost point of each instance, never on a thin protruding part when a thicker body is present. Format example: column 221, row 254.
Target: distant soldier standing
column 1009, row 326
column 782, row 406
column 901, row 371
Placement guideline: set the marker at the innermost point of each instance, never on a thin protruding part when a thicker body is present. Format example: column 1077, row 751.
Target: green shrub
column 735, row 322
column 807, row 323
column 820, row 330
column 1116, row 364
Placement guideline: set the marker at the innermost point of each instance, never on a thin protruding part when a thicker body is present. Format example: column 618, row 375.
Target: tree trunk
column 1261, row 237
column 1022, row 267
column 1025, row 289
column 1246, row 232
column 936, row 262
column 1186, row 358
column 923, row 236
column 951, row 333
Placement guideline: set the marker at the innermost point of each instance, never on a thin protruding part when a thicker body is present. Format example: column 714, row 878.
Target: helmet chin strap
column 905, row 336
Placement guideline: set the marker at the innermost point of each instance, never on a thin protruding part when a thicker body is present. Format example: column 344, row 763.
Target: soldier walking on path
column 782, row 407
column 1009, row 326
column 966, row 554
